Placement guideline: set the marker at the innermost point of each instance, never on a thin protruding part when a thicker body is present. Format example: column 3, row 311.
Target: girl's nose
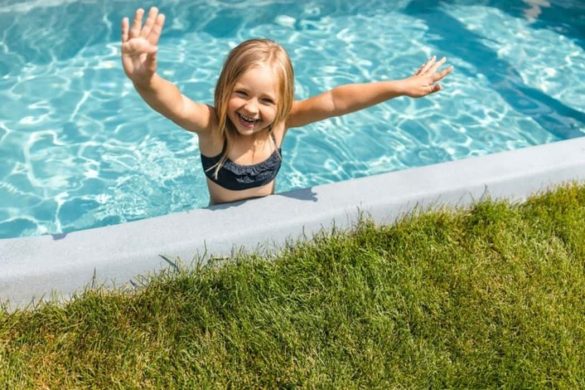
column 251, row 106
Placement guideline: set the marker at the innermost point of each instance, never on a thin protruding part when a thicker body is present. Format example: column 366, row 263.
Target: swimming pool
column 80, row 149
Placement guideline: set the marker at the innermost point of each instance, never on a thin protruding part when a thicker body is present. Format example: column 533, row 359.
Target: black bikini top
column 237, row 177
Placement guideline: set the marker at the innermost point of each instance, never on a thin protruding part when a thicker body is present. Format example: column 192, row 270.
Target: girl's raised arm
column 353, row 97
column 139, row 50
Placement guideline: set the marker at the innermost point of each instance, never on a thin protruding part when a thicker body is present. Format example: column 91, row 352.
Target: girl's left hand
column 426, row 79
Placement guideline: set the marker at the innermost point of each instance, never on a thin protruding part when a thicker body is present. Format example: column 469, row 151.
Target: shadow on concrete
column 307, row 194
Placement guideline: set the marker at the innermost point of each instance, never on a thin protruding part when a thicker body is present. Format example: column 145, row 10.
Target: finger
column 149, row 22
column 124, row 29
column 439, row 76
column 137, row 24
column 418, row 70
column 437, row 65
column 156, row 30
column 428, row 65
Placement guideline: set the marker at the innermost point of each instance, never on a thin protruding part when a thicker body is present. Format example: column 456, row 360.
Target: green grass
column 492, row 296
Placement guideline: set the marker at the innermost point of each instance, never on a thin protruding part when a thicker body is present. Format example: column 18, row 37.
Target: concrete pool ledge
column 31, row 268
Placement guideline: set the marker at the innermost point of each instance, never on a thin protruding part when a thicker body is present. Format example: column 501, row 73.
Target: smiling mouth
column 246, row 120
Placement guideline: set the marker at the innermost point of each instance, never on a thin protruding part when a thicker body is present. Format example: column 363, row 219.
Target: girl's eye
column 241, row 93
column 268, row 101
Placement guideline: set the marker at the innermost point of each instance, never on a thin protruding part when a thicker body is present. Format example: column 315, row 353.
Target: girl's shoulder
column 211, row 141
column 279, row 131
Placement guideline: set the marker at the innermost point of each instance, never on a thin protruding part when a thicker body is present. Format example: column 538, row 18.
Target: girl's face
column 253, row 102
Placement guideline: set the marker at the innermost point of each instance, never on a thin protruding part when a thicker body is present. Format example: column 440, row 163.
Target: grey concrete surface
column 34, row 268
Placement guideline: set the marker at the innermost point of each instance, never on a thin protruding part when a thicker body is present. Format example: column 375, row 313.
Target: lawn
column 489, row 296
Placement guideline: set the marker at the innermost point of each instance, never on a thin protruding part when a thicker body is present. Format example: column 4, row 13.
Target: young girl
column 240, row 136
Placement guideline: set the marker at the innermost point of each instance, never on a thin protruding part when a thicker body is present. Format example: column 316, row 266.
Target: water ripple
column 81, row 149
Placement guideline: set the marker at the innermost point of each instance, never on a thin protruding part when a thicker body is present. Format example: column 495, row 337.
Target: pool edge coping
column 35, row 268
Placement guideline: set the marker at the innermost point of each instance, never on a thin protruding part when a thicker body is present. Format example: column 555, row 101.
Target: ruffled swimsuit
column 238, row 177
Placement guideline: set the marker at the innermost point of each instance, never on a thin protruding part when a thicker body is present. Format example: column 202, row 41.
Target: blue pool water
column 79, row 148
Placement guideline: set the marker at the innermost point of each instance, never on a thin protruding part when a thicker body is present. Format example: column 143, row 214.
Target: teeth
column 247, row 118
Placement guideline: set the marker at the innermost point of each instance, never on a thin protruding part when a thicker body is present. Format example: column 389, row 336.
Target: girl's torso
column 247, row 155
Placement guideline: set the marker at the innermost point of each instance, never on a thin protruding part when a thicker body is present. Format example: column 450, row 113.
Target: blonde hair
column 246, row 55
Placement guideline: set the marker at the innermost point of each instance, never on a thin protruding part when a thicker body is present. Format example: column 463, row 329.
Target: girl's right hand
column 139, row 45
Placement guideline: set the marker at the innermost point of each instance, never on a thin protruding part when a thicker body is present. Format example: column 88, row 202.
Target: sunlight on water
column 81, row 149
